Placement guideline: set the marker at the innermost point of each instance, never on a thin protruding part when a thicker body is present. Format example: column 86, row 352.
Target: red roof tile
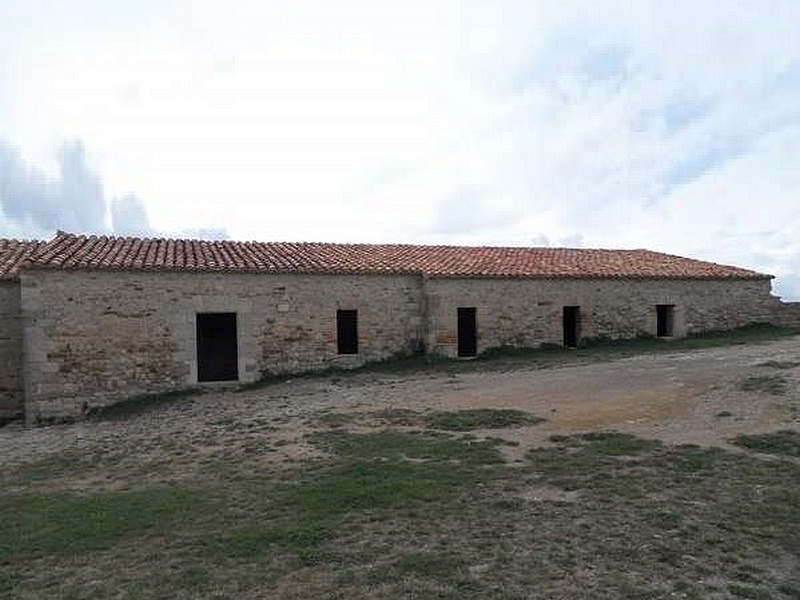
column 76, row 252
column 13, row 253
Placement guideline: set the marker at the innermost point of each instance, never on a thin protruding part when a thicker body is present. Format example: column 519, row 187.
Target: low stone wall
column 11, row 391
column 787, row 314
column 94, row 338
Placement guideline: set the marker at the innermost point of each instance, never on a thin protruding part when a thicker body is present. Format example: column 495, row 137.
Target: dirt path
column 683, row 397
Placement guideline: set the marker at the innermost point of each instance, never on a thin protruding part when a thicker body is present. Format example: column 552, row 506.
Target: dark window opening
column 467, row 332
column 571, row 325
column 217, row 351
column 665, row 320
column 347, row 331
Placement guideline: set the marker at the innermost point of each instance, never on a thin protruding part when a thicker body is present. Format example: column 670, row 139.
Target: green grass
column 780, row 364
column 609, row 442
column 451, row 420
column 666, row 506
column 372, row 473
column 420, row 566
column 403, row 417
column 390, row 446
column 303, row 537
column 480, row 418
column 775, row 384
column 57, row 523
column 784, row 442
column 459, row 420
column 426, row 514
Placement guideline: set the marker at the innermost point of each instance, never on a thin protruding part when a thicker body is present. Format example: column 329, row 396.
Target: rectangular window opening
column 665, row 320
column 467, row 332
column 347, row 331
column 217, row 347
column 571, row 321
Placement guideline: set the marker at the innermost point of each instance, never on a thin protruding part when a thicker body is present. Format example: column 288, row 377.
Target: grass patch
column 775, row 384
column 780, row 364
column 334, row 419
column 480, row 418
column 618, row 444
column 432, row 566
column 610, row 443
column 426, row 514
column 36, row 525
column 395, row 446
column 456, row 420
column 303, row 537
column 692, row 500
column 784, row 442
column 402, row 417
column 371, row 474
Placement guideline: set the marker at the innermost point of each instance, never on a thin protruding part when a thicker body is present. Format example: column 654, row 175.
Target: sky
column 664, row 124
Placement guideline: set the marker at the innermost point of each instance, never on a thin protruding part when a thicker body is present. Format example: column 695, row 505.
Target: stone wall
column 787, row 314
column 93, row 338
column 10, row 351
column 529, row 312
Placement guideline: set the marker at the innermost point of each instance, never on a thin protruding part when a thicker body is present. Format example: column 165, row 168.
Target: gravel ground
column 682, row 397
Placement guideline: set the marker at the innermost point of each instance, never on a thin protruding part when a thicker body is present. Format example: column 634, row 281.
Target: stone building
column 89, row 321
column 12, row 254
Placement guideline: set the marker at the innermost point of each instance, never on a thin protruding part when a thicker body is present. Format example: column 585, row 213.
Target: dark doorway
column 467, row 332
column 347, row 331
column 572, row 325
column 665, row 320
column 217, row 352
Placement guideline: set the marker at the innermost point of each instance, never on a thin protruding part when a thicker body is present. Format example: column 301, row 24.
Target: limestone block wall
column 11, row 391
column 529, row 312
column 787, row 314
column 94, row 338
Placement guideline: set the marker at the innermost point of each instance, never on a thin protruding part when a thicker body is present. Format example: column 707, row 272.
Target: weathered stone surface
column 787, row 314
column 10, row 351
column 93, row 338
column 529, row 312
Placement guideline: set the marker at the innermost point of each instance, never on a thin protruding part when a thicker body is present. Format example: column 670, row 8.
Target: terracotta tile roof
column 76, row 252
column 12, row 254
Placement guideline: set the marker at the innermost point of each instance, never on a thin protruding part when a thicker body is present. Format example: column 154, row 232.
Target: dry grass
column 388, row 513
column 775, row 384
column 332, row 495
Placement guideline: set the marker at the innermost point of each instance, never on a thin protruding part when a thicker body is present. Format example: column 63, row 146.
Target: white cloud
column 35, row 204
column 651, row 124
